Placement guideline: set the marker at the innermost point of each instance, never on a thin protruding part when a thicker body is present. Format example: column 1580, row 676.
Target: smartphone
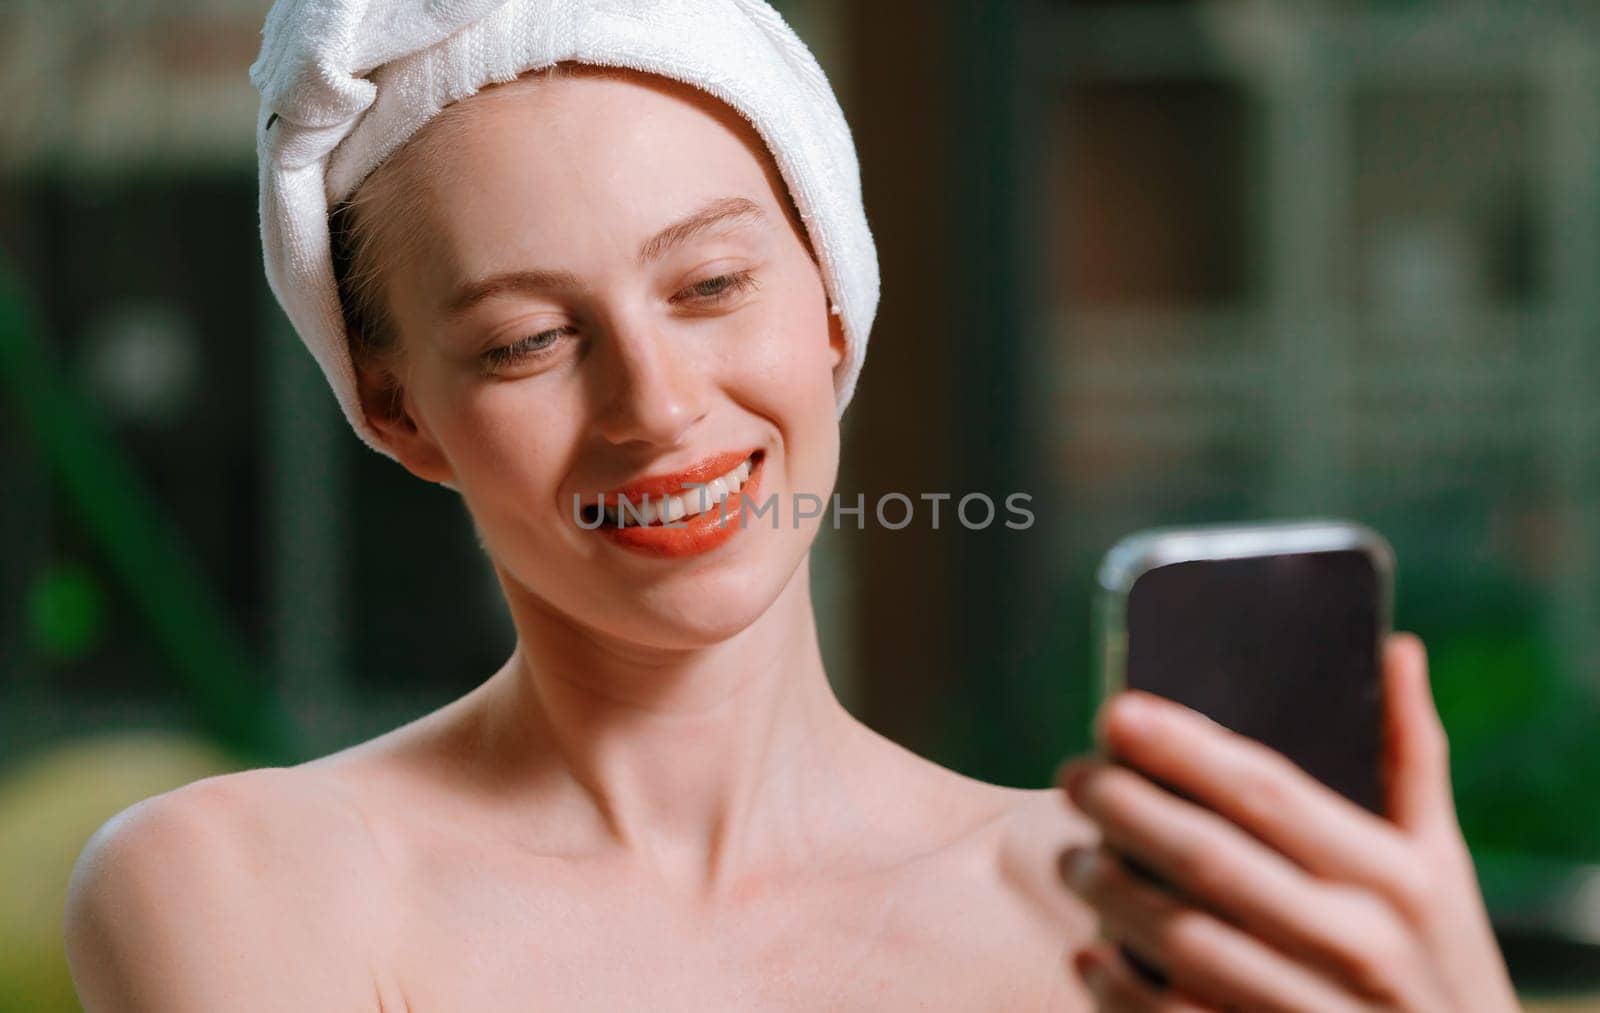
column 1274, row 630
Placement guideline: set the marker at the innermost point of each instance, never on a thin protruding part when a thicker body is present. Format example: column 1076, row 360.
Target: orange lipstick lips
column 674, row 525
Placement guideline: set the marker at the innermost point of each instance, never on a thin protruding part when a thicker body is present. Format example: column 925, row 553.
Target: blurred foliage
column 1522, row 734
column 66, row 612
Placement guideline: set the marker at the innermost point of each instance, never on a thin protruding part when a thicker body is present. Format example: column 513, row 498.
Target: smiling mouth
column 664, row 509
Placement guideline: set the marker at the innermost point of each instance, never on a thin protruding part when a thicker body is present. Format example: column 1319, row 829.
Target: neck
column 703, row 765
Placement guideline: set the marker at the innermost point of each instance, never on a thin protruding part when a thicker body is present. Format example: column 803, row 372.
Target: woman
column 592, row 283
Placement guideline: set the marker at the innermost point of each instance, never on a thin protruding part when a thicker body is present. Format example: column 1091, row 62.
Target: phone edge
column 1136, row 554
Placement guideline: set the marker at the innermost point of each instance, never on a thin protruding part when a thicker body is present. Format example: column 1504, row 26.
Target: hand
column 1283, row 895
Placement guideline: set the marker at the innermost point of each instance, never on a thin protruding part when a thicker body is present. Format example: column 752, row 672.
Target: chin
column 700, row 606
column 683, row 606
column 707, row 611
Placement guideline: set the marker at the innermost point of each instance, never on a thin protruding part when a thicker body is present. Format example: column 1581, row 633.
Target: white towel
column 344, row 83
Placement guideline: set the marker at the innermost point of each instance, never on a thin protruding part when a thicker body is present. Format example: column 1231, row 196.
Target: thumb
column 1416, row 749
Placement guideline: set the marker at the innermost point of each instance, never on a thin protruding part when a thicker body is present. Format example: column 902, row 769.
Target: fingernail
column 1078, row 866
column 1089, row 970
column 1059, row 777
column 1074, row 779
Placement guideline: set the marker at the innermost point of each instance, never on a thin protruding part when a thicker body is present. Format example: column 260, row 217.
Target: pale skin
column 657, row 802
column 1285, row 896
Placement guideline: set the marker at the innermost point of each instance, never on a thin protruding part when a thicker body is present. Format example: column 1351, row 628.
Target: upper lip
column 675, row 482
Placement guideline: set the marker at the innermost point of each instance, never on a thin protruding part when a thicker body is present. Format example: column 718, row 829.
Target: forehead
column 578, row 163
column 576, row 101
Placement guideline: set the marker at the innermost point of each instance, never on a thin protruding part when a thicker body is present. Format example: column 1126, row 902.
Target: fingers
column 1275, row 891
column 1116, row 987
column 1216, row 963
column 1258, row 789
column 1208, row 859
column 1420, row 799
column 1417, row 754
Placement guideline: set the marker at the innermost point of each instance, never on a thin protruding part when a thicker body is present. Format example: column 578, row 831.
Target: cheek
column 786, row 377
column 786, row 365
column 506, row 440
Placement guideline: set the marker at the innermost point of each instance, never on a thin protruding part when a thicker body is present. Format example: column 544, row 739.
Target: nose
column 651, row 392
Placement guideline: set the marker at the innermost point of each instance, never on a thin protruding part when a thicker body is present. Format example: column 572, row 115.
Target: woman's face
column 607, row 288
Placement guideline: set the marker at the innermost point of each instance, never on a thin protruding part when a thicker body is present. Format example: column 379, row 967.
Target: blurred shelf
column 1388, row 335
column 1249, row 40
column 1175, row 378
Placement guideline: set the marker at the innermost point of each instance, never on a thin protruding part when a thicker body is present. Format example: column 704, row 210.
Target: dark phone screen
column 1281, row 648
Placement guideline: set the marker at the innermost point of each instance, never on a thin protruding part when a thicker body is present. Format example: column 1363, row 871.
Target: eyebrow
column 721, row 212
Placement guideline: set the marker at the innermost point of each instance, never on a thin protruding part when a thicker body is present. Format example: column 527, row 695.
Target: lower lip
column 691, row 536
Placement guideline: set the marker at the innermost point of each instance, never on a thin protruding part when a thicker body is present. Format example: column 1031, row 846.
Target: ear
column 836, row 336
column 389, row 410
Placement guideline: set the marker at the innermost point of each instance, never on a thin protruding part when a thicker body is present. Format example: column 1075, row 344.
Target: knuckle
column 1266, row 785
column 1114, row 782
column 1204, row 872
column 1414, row 888
column 1413, row 899
column 1373, row 959
column 1118, row 798
column 1095, row 787
column 1366, row 971
column 1186, row 936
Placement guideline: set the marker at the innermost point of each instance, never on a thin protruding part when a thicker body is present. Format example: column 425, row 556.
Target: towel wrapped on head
column 344, row 83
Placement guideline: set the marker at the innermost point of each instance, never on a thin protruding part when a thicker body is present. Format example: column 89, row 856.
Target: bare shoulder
column 1017, row 836
column 1037, row 826
column 1028, row 922
column 244, row 888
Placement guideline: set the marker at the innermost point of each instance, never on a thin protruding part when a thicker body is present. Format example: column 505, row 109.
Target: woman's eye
column 531, row 347
column 543, row 343
column 712, row 290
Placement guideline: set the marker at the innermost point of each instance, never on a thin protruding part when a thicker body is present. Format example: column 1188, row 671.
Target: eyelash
column 728, row 284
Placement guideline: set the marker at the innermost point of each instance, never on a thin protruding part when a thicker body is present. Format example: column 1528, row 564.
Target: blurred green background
column 1151, row 263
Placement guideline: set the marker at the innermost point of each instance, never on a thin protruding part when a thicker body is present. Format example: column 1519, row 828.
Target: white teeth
column 676, row 508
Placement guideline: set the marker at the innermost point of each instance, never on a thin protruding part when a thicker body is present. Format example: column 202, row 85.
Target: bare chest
column 480, row 939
